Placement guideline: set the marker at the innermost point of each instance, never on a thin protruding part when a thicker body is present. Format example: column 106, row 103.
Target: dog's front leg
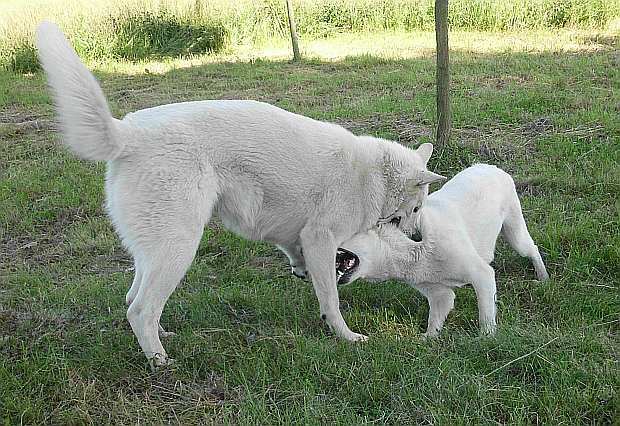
column 320, row 253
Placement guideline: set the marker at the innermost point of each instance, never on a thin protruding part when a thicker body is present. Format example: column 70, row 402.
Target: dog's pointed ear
column 423, row 177
column 426, row 176
column 424, row 151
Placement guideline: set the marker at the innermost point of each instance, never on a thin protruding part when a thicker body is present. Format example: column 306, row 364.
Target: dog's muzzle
column 346, row 263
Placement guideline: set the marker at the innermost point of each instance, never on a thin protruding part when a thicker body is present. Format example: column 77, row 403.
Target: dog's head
column 373, row 255
column 413, row 188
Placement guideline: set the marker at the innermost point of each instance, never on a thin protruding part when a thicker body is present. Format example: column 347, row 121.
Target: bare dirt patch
column 176, row 398
column 529, row 187
column 14, row 117
column 47, row 245
column 407, row 130
column 32, row 327
column 42, row 246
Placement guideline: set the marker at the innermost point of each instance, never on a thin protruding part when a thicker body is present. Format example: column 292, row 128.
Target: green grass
column 251, row 348
column 140, row 28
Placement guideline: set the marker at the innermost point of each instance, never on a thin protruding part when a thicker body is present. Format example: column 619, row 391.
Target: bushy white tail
column 85, row 119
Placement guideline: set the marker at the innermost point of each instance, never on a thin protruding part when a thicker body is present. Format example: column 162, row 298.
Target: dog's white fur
column 459, row 225
column 267, row 173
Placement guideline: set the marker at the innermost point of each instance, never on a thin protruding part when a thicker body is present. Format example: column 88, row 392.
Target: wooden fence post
column 291, row 22
column 444, row 119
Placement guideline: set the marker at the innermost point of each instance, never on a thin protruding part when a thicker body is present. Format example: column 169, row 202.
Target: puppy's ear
column 424, row 151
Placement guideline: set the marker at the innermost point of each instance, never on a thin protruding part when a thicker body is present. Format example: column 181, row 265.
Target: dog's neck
column 388, row 165
column 393, row 177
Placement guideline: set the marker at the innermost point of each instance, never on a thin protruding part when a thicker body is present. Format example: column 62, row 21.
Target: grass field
column 251, row 348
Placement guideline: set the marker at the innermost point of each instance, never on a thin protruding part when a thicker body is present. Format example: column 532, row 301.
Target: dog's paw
column 355, row 337
column 488, row 330
column 430, row 334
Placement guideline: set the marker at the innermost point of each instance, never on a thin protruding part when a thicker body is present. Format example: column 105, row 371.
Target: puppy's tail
column 87, row 125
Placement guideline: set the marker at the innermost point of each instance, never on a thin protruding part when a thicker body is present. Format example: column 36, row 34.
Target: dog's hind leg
column 135, row 285
column 164, row 243
column 514, row 230
column 440, row 302
column 320, row 253
column 165, row 262
column 133, row 292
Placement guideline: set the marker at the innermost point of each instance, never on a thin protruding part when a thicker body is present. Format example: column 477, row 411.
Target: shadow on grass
column 543, row 117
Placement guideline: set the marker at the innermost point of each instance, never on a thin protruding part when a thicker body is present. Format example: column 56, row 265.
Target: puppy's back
column 476, row 200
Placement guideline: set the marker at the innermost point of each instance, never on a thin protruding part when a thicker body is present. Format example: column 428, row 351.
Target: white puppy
column 269, row 174
column 456, row 229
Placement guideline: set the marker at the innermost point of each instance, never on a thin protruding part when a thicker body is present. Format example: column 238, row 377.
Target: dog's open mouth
column 346, row 263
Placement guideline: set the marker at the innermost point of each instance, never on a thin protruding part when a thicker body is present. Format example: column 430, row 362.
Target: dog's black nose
column 416, row 236
column 395, row 220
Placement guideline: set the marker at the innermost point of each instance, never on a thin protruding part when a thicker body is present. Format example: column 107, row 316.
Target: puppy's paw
column 299, row 272
column 160, row 361
column 430, row 334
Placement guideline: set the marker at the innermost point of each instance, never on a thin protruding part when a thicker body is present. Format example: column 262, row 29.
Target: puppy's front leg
column 440, row 302
column 320, row 253
column 296, row 259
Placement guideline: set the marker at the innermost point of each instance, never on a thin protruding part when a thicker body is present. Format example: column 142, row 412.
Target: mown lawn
column 250, row 346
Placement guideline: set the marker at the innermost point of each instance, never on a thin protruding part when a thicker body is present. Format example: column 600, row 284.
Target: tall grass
column 139, row 28
column 141, row 34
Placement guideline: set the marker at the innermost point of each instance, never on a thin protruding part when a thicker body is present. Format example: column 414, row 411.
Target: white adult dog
column 456, row 229
column 267, row 173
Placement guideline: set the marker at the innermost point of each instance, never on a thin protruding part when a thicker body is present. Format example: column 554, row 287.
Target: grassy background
column 140, row 28
column 542, row 104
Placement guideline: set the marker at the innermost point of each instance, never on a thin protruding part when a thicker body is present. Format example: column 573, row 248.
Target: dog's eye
column 395, row 220
column 415, row 209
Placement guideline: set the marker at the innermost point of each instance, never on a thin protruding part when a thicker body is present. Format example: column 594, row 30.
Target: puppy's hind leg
column 514, row 230
column 482, row 277
column 440, row 302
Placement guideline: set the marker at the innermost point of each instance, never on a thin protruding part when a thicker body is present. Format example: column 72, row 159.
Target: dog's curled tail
column 85, row 119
